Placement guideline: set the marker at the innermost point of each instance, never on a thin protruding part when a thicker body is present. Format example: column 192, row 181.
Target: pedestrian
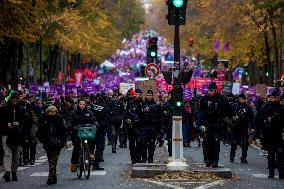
column 132, row 122
column 270, row 119
column 214, row 108
column 52, row 133
column 242, row 126
column 150, row 126
column 14, row 117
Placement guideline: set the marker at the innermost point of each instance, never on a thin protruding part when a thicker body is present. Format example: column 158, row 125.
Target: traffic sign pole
column 177, row 162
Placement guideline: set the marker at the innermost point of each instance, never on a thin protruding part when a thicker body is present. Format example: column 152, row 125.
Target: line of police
column 143, row 123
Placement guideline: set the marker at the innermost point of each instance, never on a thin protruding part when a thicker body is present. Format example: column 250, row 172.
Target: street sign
column 152, row 70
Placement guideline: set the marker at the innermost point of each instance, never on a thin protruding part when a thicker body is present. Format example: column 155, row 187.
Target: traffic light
column 152, row 48
column 176, row 12
column 178, row 98
column 246, row 71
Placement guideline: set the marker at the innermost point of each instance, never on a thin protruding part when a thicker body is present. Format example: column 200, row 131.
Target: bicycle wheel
column 80, row 166
column 87, row 163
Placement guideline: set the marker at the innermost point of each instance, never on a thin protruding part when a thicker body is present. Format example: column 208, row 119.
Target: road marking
column 40, row 174
column 98, row 173
column 40, row 160
column 43, row 157
column 216, row 183
column 163, row 184
column 22, row 168
column 262, row 176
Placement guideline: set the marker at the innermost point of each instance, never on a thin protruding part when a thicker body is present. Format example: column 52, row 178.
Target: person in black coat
column 214, row 108
column 80, row 116
column 270, row 119
column 242, row 124
column 150, row 126
column 13, row 120
column 53, row 134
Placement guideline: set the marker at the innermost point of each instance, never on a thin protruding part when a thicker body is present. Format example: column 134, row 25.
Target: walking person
column 13, row 118
column 270, row 119
column 52, row 133
column 214, row 108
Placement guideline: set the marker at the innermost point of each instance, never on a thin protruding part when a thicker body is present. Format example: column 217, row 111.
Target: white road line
column 39, row 174
column 40, row 160
column 98, row 173
column 163, row 184
column 209, row 185
column 22, row 168
column 262, row 176
column 43, row 157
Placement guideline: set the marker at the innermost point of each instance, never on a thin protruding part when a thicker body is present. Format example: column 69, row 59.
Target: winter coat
column 10, row 114
column 52, row 132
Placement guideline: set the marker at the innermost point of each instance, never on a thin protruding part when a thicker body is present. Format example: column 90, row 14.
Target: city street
column 117, row 170
column 137, row 72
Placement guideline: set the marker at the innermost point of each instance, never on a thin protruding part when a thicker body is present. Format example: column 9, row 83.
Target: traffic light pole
column 177, row 162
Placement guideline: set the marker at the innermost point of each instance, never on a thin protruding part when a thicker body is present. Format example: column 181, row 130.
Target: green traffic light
column 153, row 54
column 246, row 73
column 178, row 3
column 267, row 74
column 179, row 104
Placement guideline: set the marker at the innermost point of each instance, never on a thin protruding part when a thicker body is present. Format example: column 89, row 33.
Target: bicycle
column 86, row 133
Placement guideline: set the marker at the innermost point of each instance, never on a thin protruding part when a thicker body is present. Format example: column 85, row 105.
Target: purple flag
column 226, row 46
column 197, row 72
column 216, row 45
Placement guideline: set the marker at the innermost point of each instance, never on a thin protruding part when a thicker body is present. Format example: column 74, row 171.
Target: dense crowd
column 140, row 124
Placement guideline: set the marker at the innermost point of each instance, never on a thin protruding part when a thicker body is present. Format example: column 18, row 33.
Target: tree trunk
column 35, row 67
column 54, row 53
column 276, row 59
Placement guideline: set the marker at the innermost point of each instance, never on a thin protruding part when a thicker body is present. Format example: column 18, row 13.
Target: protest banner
column 261, row 90
column 236, row 88
column 144, row 86
column 124, row 87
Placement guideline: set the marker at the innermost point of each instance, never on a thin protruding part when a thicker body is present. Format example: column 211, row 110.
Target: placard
column 144, row 86
column 261, row 90
column 124, row 87
column 236, row 88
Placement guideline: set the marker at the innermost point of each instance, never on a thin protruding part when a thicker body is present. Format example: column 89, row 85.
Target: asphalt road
column 117, row 170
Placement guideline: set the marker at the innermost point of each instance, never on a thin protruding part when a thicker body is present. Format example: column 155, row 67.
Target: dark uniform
column 167, row 115
column 270, row 118
column 213, row 110
column 101, row 111
column 148, row 132
column 132, row 122
column 30, row 142
column 117, row 109
column 243, row 120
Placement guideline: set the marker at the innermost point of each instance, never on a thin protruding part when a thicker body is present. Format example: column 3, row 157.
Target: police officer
column 243, row 122
column 213, row 109
column 101, row 111
column 29, row 145
column 117, row 109
column 132, row 122
column 270, row 118
column 167, row 114
column 150, row 125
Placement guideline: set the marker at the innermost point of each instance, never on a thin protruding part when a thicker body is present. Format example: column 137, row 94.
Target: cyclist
column 80, row 116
